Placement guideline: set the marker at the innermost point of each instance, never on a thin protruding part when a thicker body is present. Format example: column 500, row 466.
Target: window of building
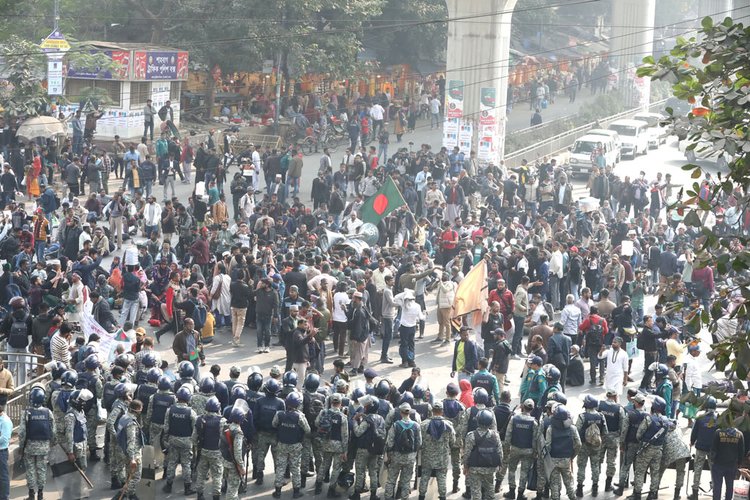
column 139, row 93
column 174, row 91
column 76, row 89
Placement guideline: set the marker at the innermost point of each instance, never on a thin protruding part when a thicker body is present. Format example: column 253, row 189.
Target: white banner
column 107, row 341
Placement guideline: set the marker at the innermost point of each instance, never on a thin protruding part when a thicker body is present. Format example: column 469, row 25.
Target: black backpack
column 376, row 446
column 594, row 333
column 406, row 439
column 18, row 337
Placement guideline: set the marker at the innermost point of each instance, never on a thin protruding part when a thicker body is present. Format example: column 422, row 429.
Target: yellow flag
column 471, row 296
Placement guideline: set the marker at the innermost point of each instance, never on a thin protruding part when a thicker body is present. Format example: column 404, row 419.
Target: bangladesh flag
column 386, row 200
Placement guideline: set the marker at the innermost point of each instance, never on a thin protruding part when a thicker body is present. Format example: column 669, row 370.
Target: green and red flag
column 386, row 200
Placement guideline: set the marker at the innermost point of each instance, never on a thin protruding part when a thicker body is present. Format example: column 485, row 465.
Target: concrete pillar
column 478, row 54
column 631, row 42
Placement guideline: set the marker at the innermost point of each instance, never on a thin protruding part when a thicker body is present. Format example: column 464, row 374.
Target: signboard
column 487, row 105
column 160, row 65
column 450, row 133
column 465, row 136
column 268, row 66
column 454, row 99
column 120, row 57
column 54, row 76
column 55, row 42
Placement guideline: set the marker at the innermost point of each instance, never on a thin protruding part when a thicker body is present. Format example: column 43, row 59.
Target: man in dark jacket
column 359, row 333
column 102, row 313
column 147, row 173
column 648, row 342
column 558, row 352
column 465, row 349
column 667, row 264
column 300, row 346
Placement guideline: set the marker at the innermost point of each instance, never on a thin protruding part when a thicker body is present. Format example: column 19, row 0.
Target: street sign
column 268, row 66
column 54, row 76
column 55, row 42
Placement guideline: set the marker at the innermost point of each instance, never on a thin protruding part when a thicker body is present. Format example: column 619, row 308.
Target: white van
column 608, row 133
column 634, row 135
column 657, row 132
column 580, row 152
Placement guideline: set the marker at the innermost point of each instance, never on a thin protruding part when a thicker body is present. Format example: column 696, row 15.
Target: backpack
column 406, row 440
column 312, row 405
column 377, row 444
column 199, row 314
column 325, row 424
column 19, row 333
column 594, row 334
column 593, row 435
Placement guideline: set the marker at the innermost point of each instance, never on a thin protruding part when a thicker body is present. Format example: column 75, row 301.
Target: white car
column 580, row 152
column 704, row 150
column 634, row 135
column 658, row 133
column 609, row 133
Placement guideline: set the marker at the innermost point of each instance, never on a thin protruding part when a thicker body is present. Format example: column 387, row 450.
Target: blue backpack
column 199, row 314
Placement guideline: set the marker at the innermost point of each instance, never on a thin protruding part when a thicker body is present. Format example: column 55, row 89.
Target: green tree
column 711, row 72
column 412, row 44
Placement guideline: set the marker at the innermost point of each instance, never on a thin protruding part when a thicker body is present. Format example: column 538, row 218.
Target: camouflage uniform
column 155, row 431
column 481, row 479
column 180, row 449
column 133, row 452
column 365, row 461
column 589, row 454
column 516, row 455
column 69, row 443
column 675, row 452
column 333, row 449
column 541, row 477
column 265, row 440
column 92, row 417
column 198, row 403
column 59, row 414
column 289, row 454
column 401, row 465
column 210, row 461
column 648, row 458
column 562, row 468
column 435, row 453
column 35, row 452
column 456, row 447
column 116, row 456
column 612, row 440
column 233, row 478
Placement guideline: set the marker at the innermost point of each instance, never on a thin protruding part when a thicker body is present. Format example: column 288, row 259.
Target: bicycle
column 316, row 141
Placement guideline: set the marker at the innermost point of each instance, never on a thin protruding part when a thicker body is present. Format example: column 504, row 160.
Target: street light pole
column 57, row 15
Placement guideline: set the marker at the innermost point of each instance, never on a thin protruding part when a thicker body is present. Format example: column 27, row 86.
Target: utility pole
column 278, row 75
column 57, row 15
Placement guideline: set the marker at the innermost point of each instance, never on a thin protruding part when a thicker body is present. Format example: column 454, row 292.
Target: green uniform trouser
column 456, row 462
column 366, row 462
column 35, row 459
column 291, row 455
column 135, row 477
column 627, row 462
column 401, row 467
column 589, row 455
column 610, row 445
column 648, row 459
column 481, row 482
column 524, row 456
column 180, row 452
column 679, row 466
column 700, row 458
column 233, row 481
column 312, row 450
column 266, row 440
column 441, row 475
column 561, row 470
column 503, row 469
column 330, row 458
column 210, row 463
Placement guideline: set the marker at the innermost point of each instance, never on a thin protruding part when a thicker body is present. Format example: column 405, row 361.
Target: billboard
column 454, row 99
column 160, row 65
column 120, row 57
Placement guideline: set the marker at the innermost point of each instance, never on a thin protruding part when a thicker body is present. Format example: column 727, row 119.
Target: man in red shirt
column 448, row 242
column 507, row 302
column 595, row 330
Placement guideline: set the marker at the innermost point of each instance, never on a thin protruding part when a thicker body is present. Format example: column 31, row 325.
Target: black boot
column 32, row 495
column 216, row 497
column 608, row 484
column 200, row 497
column 303, row 480
column 677, row 492
column 421, row 497
column 520, row 494
column 467, row 493
column 94, row 456
column 167, row 488
column 455, row 486
column 327, row 477
column 277, row 492
column 296, row 493
column 189, row 489
column 652, row 495
column 694, row 495
column 332, row 493
column 374, row 496
column 355, row 496
column 617, row 491
column 115, row 484
column 579, row 490
column 318, row 488
column 594, row 489
column 635, row 496
column 40, row 494
column 259, row 478
column 511, row 493
column 497, row 486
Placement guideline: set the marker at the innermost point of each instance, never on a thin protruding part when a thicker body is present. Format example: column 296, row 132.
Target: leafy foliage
column 711, row 72
column 425, row 42
column 24, row 68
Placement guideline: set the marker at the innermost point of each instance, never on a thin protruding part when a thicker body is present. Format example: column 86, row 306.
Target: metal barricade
column 18, row 401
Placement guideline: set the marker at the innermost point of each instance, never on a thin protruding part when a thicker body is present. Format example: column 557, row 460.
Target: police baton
column 80, row 471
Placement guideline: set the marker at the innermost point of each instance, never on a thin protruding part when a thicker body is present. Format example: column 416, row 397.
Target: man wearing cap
column 558, row 351
column 614, row 438
column 535, row 383
column 439, row 438
column 403, row 441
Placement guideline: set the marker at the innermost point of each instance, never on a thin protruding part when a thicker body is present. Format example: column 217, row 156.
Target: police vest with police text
column 161, row 401
column 562, row 442
column 611, row 413
column 267, row 407
column 289, row 430
column 704, row 430
column 122, row 433
column 484, row 453
column 39, row 424
column 209, row 431
column 652, row 436
column 522, row 431
column 635, row 417
column 180, row 422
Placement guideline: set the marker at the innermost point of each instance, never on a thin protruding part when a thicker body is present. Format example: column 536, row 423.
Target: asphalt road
column 433, row 361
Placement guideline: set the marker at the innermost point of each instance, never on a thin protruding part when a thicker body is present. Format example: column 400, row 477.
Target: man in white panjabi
column 617, row 366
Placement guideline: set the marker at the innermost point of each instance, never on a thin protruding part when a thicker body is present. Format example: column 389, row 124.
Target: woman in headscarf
column 196, row 275
column 466, row 398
